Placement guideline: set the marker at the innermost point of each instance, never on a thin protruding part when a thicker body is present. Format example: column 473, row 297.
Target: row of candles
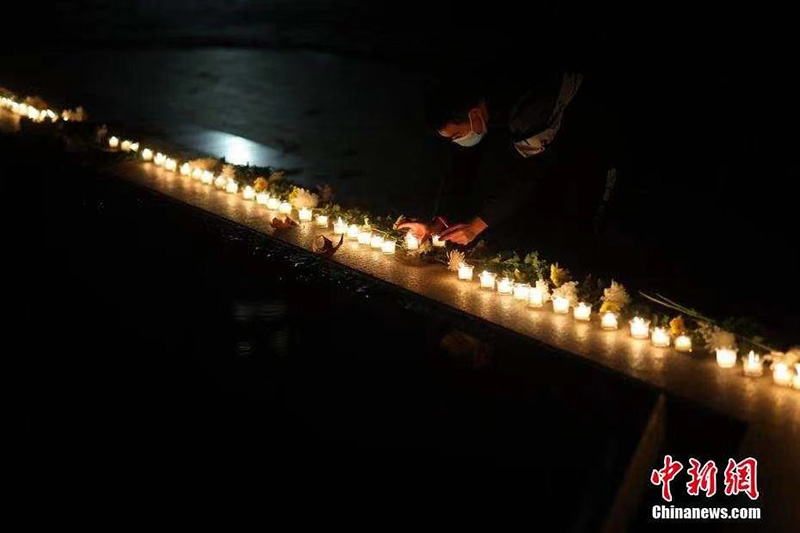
column 28, row 111
column 534, row 296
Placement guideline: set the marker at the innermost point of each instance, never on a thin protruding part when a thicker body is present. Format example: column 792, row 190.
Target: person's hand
column 418, row 229
column 464, row 233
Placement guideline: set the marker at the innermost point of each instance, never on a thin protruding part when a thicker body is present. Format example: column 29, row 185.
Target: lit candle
column 273, row 203
column 322, row 221
column 186, row 169
column 726, row 357
column 285, row 208
column 505, row 286
column 232, row 187
column 376, row 242
column 197, row 173
column 353, row 231
column 208, row 177
column 147, row 154
column 582, row 311
column 437, row 242
column 262, row 198
column 113, row 142
column 134, row 147
column 171, row 165
column 796, row 381
column 781, row 374
column 683, row 343
column 753, row 367
column 388, row 247
column 535, row 297
column 249, row 193
column 33, row 113
column 465, row 272
column 125, row 146
column 220, row 182
column 521, row 291
column 487, row 280
column 305, row 214
column 560, row 305
column 412, row 243
column 640, row 328
column 608, row 320
column 159, row 159
column 660, row 337
column 364, row 237
column 339, row 227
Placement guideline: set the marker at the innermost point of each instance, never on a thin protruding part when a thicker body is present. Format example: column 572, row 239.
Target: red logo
column 739, row 477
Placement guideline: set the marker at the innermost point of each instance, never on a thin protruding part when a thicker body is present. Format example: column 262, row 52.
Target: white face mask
column 471, row 138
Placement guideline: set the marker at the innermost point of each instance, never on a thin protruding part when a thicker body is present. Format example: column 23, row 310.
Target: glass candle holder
column 388, row 247
column 197, row 173
column 437, row 242
column 683, row 343
column 609, row 321
column 640, row 328
column 753, row 366
column 339, row 227
column 249, row 193
column 113, row 142
column 487, row 280
column 412, row 243
column 781, row 374
column 147, row 154
column 505, row 286
column 171, row 165
column 796, row 380
column 186, row 169
column 726, row 357
column 376, row 242
column 273, row 204
column 521, row 291
column 560, row 305
column 262, row 198
column 353, row 231
column 232, row 187
column 220, row 182
column 159, row 159
column 660, row 338
column 322, row 221
column 207, row 178
column 582, row 312
column 134, row 147
column 365, row 237
column 304, row 214
column 125, row 146
column 535, row 297
column 285, row 208
column 465, row 272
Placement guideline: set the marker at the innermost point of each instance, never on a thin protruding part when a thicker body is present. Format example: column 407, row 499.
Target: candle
column 197, row 173
column 220, row 182
column 352, row 231
column 134, row 147
column 582, row 311
column 340, row 227
column 232, row 187
column 273, row 204
column 186, row 169
column 660, row 337
column 147, row 154
column 505, row 286
column 159, row 159
column 249, row 193
column 535, row 297
column 305, row 214
column 126, row 146
column 376, row 242
column 412, row 243
column 487, row 280
column 726, row 357
column 560, row 305
column 521, row 291
column 437, row 242
column 208, row 177
column 364, row 237
column 285, row 208
column 781, row 374
column 113, row 142
column 752, row 365
column 640, row 328
column 262, row 198
column 465, row 272
column 608, row 320
column 171, row 165
column 388, row 247
column 683, row 343
column 322, row 221
column 796, row 381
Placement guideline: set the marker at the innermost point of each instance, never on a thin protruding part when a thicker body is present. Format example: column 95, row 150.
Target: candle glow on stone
column 560, row 305
column 376, row 242
column 487, row 279
column 339, row 227
column 660, row 337
column 353, row 231
column 465, row 272
column 781, row 374
column 113, row 142
column 683, row 343
column 262, row 198
column 753, row 367
column 388, row 247
column 640, row 328
column 505, row 286
column 322, row 221
column 273, row 204
column 521, row 291
column 147, row 154
column 437, row 242
column 608, row 320
column 726, row 357
column 582, row 311
column 186, row 169
column 535, row 297
column 249, row 193
column 305, row 214
column 412, row 243
column 364, row 237
column 285, row 208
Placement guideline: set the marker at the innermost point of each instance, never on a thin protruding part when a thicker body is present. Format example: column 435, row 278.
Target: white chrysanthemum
column 568, row 290
column 455, row 259
column 616, row 294
column 544, row 288
column 302, row 198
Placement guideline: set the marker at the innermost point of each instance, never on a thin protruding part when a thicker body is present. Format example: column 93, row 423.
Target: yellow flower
column 676, row 326
column 260, row 184
column 559, row 275
column 609, row 306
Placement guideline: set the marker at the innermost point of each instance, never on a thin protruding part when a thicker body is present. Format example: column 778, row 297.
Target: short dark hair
column 450, row 101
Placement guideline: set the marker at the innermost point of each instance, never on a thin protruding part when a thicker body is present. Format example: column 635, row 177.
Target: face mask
column 471, row 138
